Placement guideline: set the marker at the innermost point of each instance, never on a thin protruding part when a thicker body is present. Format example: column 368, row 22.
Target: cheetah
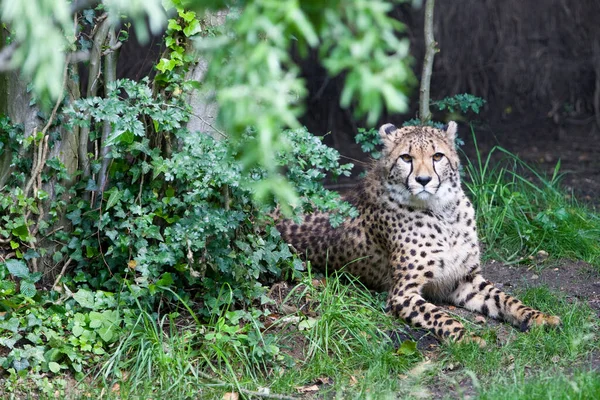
column 415, row 237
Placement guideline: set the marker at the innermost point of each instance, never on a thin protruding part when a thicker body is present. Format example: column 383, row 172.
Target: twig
column 200, row 118
column 246, row 391
column 430, row 50
column 62, row 273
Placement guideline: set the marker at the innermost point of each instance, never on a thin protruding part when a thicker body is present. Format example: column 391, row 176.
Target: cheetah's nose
column 423, row 180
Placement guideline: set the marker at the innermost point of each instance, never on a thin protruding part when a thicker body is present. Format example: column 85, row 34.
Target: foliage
column 462, row 103
column 47, row 334
column 191, row 216
column 43, row 33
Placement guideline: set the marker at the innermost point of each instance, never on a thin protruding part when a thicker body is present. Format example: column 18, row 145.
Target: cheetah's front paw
column 473, row 339
column 549, row 320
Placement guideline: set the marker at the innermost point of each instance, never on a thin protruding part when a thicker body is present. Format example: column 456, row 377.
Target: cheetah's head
column 420, row 164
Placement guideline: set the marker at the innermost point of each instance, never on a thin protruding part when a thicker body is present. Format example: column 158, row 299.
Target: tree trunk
column 204, row 109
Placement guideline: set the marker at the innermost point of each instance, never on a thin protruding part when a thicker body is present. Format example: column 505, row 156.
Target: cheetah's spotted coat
column 415, row 236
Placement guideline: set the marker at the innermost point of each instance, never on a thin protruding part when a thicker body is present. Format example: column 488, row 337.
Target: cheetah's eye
column 438, row 156
column 406, row 158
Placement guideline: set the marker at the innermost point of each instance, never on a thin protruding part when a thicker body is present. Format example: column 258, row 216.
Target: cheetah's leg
column 406, row 302
column 476, row 294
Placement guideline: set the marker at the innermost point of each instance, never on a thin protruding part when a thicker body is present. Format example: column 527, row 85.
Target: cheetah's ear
column 386, row 130
column 451, row 129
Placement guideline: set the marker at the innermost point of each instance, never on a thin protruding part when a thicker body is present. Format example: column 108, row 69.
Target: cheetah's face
column 421, row 163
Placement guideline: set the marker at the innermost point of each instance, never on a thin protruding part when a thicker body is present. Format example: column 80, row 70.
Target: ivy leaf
column 21, row 364
column 85, row 298
column 165, row 280
column 96, row 320
column 173, row 25
column 10, row 325
column 21, row 232
column 115, row 196
column 54, row 366
column 91, row 186
column 77, row 330
column 17, row 268
column 193, row 28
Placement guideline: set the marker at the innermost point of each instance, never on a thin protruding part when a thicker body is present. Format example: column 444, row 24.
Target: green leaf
column 21, row 232
column 77, row 330
column 85, row 298
column 115, row 196
column 173, row 25
column 107, row 333
column 193, row 28
column 10, row 325
column 96, row 320
column 54, row 366
column 408, row 348
column 165, row 280
column 17, row 268
column 307, row 324
column 28, row 288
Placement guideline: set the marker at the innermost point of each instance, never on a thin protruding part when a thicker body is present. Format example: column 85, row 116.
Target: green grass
column 348, row 342
column 581, row 385
column 521, row 212
column 540, row 347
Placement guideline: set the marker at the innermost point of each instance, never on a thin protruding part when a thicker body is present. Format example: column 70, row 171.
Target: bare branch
column 430, row 50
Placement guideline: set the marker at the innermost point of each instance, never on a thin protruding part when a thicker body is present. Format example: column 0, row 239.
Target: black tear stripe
column 438, row 175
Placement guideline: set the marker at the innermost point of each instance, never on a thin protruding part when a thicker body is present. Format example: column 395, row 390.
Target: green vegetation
column 521, row 212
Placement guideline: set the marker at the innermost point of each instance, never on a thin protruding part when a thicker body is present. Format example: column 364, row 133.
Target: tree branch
column 430, row 50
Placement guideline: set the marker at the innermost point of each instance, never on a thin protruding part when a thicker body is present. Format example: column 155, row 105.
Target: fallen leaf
column 307, row 324
column 325, row 380
column 451, row 308
column 353, row 380
column 288, row 309
column 307, row 389
column 132, row 264
column 231, row 396
column 115, row 388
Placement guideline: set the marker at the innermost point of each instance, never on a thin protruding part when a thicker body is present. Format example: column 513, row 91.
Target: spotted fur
column 415, row 237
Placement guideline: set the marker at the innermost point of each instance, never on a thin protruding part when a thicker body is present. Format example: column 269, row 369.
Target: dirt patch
column 576, row 279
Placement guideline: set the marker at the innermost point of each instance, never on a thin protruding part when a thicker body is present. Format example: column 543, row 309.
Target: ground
column 578, row 282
